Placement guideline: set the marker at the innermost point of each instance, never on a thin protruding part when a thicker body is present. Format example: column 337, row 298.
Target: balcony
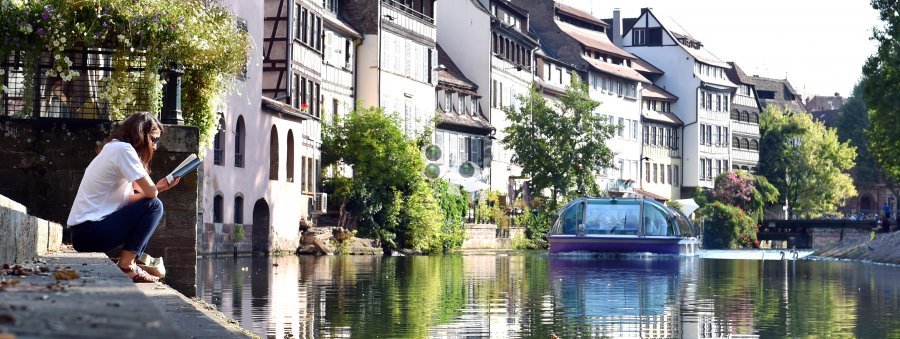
column 400, row 15
column 413, row 13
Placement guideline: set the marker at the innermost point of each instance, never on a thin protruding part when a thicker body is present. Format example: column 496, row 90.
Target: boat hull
column 624, row 244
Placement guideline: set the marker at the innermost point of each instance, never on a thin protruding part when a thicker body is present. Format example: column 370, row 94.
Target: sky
column 819, row 46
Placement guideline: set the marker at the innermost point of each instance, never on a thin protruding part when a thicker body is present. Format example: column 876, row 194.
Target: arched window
column 736, row 142
column 290, row 156
column 735, row 115
column 219, row 144
column 273, row 154
column 754, row 145
column 745, row 144
column 754, row 118
column 238, row 209
column 745, row 117
column 239, row 143
column 218, row 204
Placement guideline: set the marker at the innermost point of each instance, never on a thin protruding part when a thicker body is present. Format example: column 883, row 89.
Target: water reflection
column 536, row 295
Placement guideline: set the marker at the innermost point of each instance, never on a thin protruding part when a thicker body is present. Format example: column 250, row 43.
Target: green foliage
column 559, row 148
column 492, row 208
column 746, row 191
column 881, row 90
column 387, row 196
column 812, row 173
column 727, row 227
column 536, row 222
column 238, row 232
column 454, row 204
column 199, row 35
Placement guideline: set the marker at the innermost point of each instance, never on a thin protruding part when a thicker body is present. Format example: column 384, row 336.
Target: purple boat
column 618, row 225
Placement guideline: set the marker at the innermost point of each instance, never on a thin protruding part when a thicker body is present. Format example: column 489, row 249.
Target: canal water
column 536, row 295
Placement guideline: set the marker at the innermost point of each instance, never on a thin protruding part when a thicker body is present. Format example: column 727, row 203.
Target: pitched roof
column 827, row 117
column 654, row 92
column 593, row 39
column 663, row 117
column 579, row 14
column 778, row 87
column 451, row 74
column 737, row 76
column 825, row 103
column 616, row 70
column 463, row 122
column 642, row 65
column 627, row 24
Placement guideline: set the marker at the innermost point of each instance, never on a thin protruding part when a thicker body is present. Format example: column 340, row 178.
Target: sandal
column 140, row 276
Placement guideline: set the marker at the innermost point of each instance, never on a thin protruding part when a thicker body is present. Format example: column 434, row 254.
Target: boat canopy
column 615, row 216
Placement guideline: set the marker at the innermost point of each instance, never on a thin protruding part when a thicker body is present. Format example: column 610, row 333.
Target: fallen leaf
column 66, row 274
column 7, row 336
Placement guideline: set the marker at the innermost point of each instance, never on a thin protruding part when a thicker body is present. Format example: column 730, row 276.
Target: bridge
column 814, row 234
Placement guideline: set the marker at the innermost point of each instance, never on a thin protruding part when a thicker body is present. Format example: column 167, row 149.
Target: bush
column 727, row 227
column 454, row 205
column 536, row 222
column 492, row 208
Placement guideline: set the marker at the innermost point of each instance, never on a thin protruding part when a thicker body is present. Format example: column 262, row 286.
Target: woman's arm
column 148, row 190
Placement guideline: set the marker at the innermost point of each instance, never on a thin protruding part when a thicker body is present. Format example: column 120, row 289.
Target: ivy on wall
column 201, row 36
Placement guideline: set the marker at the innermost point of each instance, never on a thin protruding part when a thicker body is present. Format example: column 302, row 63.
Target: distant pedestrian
column 887, row 210
column 117, row 203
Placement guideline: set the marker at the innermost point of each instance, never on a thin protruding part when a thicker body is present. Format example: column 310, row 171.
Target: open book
column 189, row 164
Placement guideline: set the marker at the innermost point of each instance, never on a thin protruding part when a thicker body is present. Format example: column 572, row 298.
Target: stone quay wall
column 485, row 236
column 824, row 237
column 42, row 162
column 24, row 237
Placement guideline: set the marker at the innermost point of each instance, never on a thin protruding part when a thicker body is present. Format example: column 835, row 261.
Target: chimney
column 617, row 27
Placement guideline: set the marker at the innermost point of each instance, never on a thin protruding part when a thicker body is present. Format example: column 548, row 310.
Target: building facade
column 261, row 184
column 397, row 59
column 578, row 39
column 778, row 93
column 661, row 139
column 745, row 113
column 698, row 78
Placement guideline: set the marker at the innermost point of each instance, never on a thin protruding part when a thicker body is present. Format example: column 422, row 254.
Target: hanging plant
column 201, row 36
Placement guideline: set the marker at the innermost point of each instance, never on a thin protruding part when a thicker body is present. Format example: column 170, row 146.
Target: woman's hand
column 164, row 185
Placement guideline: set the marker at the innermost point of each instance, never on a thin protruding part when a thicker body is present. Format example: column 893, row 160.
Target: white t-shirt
column 106, row 185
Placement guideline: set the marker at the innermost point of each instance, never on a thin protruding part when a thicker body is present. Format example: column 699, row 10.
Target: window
column 702, row 134
column 646, row 135
column 639, row 37
column 709, row 102
column 654, row 36
column 754, row 144
column 290, row 156
column 709, row 137
column 719, row 135
column 702, row 99
column 655, row 174
column 219, row 144
column 669, row 173
column 238, row 210
column 675, row 174
column 218, row 203
column 303, row 174
column 239, row 143
column 736, row 142
column 310, row 176
column 474, row 109
column 647, row 171
column 448, row 100
column 725, row 103
column 273, row 154
column 462, row 103
column 494, row 94
column 653, row 135
column 754, row 118
column 621, row 130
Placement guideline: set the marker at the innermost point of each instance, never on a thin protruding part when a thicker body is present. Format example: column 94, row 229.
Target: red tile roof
column 580, row 14
column 593, row 39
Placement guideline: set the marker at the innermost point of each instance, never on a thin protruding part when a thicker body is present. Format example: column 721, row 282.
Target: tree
column 561, row 147
column 746, row 191
column 388, row 196
column 852, row 125
column 806, row 162
column 881, row 90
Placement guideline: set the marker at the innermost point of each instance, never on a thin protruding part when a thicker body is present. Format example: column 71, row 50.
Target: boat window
column 602, row 217
column 655, row 221
column 572, row 218
column 684, row 225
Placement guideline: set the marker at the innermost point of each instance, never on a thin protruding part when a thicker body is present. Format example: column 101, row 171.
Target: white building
column 494, row 48
column 262, row 181
column 397, row 60
column 580, row 40
column 745, row 110
column 698, row 79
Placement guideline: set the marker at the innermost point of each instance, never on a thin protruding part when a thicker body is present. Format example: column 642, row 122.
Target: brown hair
column 136, row 131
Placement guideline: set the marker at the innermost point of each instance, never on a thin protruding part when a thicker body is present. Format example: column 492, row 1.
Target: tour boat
column 612, row 225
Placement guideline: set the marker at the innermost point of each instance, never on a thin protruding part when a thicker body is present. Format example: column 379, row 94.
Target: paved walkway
column 84, row 295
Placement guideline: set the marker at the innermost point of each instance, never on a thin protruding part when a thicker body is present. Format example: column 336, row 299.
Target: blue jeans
column 131, row 227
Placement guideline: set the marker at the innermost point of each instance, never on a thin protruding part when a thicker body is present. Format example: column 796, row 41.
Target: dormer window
column 448, row 100
column 462, row 103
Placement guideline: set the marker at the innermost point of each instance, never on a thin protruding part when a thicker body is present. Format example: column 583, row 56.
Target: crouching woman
column 117, row 204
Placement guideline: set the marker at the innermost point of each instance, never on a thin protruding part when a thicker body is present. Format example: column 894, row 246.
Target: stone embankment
column 884, row 248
